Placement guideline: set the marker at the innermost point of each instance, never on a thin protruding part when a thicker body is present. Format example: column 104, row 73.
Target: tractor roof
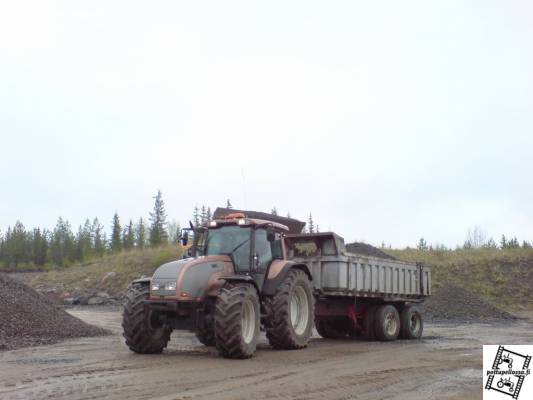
column 240, row 219
column 292, row 225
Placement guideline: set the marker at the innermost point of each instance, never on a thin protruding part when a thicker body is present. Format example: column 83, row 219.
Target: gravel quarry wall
column 27, row 318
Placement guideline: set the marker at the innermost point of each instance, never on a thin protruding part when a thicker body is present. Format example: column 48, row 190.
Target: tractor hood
column 190, row 278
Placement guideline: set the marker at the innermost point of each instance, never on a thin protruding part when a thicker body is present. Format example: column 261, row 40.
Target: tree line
column 61, row 246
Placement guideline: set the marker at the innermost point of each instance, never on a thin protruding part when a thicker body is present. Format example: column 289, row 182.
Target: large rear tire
column 290, row 312
column 237, row 320
column 387, row 323
column 411, row 323
column 141, row 336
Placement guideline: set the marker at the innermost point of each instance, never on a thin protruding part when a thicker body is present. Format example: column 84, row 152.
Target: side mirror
column 256, row 261
column 184, row 238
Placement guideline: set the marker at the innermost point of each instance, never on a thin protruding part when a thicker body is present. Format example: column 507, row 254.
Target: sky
column 388, row 121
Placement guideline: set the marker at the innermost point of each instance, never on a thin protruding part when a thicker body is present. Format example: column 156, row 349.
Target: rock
column 99, row 298
column 108, row 276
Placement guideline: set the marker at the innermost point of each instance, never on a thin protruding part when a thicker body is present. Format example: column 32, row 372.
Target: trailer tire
column 368, row 323
column 330, row 329
column 411, row 323
column 141, row 337
column 387, row 323
column 237, row 320
column 290, row 312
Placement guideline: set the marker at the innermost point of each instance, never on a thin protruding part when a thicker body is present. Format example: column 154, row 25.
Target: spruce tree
column 209, row 215
column 203, row 216
column 158, row 232
column 116, row 230
column 311, row 224
column 274, row 211
column 98, row 238
column 228, row 204
column 140, row 234
column 129, row 237
column 196, row 216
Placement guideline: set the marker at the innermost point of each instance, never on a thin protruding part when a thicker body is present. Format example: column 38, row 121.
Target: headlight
column 170, row 286
column 156, row 286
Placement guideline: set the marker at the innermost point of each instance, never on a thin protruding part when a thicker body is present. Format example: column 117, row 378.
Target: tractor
column 235, row 280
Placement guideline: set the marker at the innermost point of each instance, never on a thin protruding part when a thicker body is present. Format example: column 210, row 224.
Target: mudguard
column 272, row 283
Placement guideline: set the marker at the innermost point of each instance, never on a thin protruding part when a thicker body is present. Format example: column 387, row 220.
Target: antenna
column 243, row 187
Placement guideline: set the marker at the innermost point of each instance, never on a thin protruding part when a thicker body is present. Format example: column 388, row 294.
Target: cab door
column 262, row 256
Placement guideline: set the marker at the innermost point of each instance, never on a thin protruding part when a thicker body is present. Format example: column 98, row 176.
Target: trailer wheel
column 331, row 329
column 387, row 323
column 369, row 333
column 289, row 322
column 237, row 318
column 141, row 336
column 411, row 323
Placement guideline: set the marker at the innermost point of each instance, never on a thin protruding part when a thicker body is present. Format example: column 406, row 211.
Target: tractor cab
column 252, row 244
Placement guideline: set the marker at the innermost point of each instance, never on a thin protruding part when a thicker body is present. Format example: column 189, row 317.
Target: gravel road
column 446, row 364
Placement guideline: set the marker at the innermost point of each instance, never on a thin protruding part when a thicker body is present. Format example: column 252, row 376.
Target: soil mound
column 455, row 303
column 27, row 318
column 367, row 250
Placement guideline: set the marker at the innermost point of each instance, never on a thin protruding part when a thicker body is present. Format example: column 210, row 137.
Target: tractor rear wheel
column 411, row 324
column 290, row 312
column 140, row 335
column 237, row 320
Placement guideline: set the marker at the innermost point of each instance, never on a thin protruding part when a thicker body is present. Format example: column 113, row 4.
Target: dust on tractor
column 250, row 272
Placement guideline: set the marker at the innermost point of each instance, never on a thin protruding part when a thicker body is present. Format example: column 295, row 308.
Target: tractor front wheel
column 237, row 320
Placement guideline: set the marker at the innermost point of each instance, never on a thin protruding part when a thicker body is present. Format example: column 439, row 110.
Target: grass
column 126, row 265
column 504, row 277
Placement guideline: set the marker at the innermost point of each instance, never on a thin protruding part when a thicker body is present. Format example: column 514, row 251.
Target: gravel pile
column 367, row 250
column 457, row 304
column 27, row 318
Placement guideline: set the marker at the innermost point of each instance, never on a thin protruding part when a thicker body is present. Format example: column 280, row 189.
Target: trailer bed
column 336, row 272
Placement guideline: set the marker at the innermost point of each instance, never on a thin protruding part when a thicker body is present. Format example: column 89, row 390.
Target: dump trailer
column 250, row 271
column 361, row 295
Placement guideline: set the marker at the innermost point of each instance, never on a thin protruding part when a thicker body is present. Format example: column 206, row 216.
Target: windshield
column 231, row 240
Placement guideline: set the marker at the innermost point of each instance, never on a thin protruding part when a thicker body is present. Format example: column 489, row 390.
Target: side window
column 275, row 244
column 262, row 249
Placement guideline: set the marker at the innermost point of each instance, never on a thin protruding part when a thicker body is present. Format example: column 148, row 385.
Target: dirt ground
column 446, row 364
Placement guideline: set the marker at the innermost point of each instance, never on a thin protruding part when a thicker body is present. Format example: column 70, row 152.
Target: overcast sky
column 387, row 120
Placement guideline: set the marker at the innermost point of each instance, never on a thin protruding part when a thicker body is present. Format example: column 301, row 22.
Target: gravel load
column 457, row 304
column 27, row 318
column 367, row 250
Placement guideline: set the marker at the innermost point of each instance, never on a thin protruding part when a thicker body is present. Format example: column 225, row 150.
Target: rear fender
column 277, row 273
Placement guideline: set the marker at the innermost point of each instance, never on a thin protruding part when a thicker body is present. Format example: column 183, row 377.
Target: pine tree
column 98, row 238
column 140, row 234
column 129, row 237
column 274, row 211
column 209, row 215
column 228, row 204
column 158, row 233
column 116, row 230
column 203, row 216
column 503, row 242
column 422, row 244
column 196, row 216
column 311, row 224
